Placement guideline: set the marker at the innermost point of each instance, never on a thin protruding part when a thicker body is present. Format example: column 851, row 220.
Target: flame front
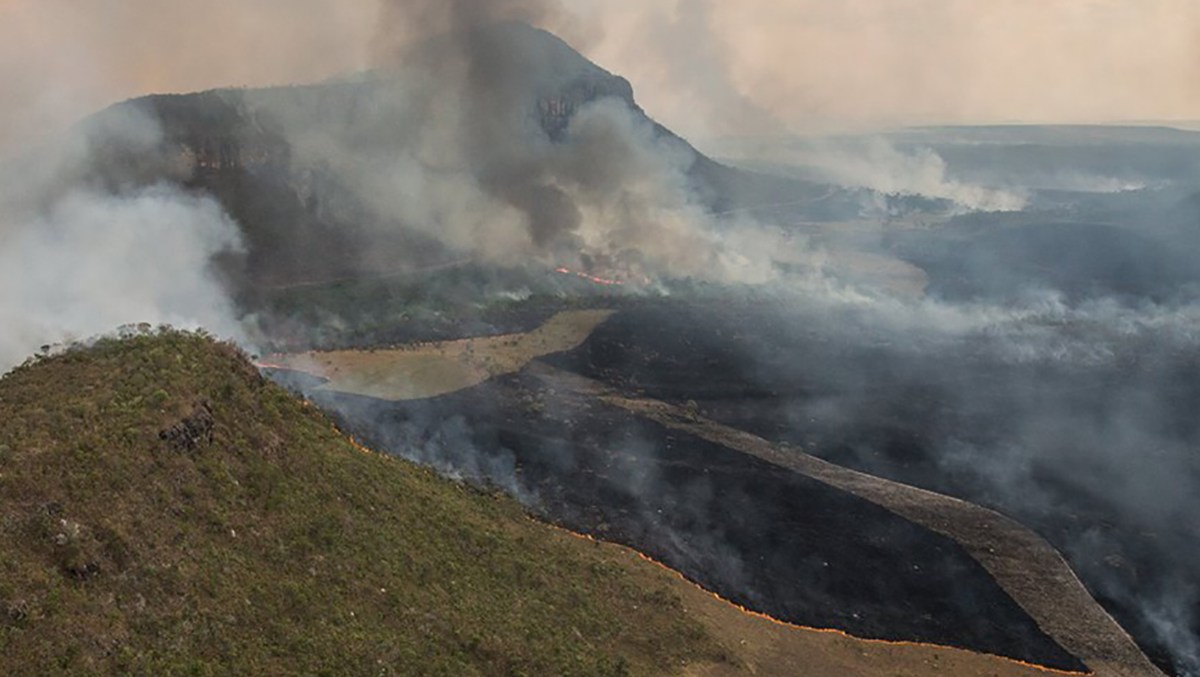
column 795, row 626
column 608, row 282
column 358, row 446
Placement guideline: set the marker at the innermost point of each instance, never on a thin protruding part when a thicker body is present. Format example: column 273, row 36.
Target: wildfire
column 354, row 443
column 607, row 282
column 359, row 446
column 352, row 440
column 795, row 626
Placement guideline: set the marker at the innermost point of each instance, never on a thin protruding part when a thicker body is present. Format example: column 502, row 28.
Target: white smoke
column 611, row 190
column 1081, row 182
column 881, row 166
column 78, row 260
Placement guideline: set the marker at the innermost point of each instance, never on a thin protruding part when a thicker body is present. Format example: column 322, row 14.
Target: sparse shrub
column 77, row 551
column 16, row 611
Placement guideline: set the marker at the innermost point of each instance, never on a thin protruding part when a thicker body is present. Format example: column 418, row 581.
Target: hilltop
column 304, row 169
column 166, row 509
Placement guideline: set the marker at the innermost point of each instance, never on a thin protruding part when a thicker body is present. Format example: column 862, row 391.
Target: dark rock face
column 266, row 155
column 194, row 430
column 557, row 108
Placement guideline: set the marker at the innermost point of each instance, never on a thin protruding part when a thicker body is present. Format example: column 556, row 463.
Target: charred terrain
column 944, row 416
column 760, row 535
column 950, row 418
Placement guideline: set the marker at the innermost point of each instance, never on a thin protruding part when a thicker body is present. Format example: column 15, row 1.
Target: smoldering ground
column 758, row 534
column 1075, row 419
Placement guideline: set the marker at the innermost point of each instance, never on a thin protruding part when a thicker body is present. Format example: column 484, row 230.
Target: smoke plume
column 78, row 259
column 499, row 141
column 881, row 166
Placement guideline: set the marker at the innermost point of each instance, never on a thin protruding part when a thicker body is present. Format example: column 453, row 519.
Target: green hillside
column 166, row 510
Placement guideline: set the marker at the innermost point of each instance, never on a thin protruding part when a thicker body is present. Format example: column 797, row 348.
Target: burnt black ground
column 954, row 419
column 757, row 534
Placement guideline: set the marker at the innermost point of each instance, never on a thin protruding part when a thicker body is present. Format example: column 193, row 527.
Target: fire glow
column 607, row 282
column 360, row 447
column 793, row 626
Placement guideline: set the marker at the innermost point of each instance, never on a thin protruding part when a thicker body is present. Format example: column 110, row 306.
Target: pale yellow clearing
column 423, row 370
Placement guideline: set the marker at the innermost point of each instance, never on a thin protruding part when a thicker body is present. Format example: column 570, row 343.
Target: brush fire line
column 833, row 631
column 590, row 278
column 357, row 445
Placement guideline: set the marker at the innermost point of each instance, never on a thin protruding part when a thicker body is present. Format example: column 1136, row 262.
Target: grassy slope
column 277, row 547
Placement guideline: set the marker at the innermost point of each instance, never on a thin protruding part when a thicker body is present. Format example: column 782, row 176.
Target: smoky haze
column 491, row 137
column 502, row 143
column 705, row 69
column 494, row 140
column 78, row 259
column 818, row 65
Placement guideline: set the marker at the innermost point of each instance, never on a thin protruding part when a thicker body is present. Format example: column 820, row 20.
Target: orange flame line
column 796, row 626
column 352, row 440
column 750, row 612
column 590, row 278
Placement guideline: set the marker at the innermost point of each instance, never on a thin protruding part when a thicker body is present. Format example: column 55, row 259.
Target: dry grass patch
column 431, row 369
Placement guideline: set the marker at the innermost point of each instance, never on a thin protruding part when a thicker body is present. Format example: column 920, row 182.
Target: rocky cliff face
column 555, row 109
column 264, row 154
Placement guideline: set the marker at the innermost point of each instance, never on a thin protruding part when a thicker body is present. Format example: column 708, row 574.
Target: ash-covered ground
column 1035, row 348
column 1078, row 422
column 755, row 533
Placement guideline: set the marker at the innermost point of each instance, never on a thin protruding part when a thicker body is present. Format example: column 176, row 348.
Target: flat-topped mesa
column 183, row 137
column 331, row 180
column 230, row 130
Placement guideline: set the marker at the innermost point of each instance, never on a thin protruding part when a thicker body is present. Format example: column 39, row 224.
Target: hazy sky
column 703, row 67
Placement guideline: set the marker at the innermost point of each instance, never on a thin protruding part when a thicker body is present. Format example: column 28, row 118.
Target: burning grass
column 766, row 647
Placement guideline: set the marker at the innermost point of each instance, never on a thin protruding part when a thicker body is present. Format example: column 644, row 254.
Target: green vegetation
column 166, row 510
